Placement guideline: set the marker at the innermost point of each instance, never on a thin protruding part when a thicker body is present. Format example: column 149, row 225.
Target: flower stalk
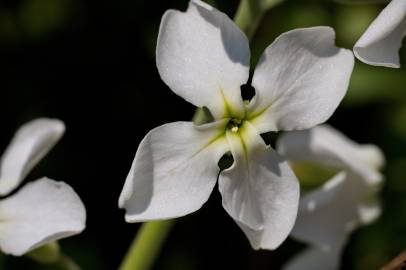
column 46, row 254
column 250, row 13
column 67, row 263
column 50, row 254
column 146, row 245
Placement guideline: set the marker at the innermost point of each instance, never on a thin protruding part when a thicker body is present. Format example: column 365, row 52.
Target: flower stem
column 67, row 263
column 51, row 254
column 46, row 254
column 250, row 12
column 146, row 245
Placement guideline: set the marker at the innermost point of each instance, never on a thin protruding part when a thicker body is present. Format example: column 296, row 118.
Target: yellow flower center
column 234, row 124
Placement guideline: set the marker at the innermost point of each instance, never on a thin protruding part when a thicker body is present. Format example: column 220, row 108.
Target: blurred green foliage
column 33, row 19
column 41, row 17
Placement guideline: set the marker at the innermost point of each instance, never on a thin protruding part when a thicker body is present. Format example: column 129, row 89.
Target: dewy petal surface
column 325, row 145
column 29, row 145
column 42, row 211
column 300, row 80
column 380, row 44
column 204, row 58
column 174, row 171
column 259, row 190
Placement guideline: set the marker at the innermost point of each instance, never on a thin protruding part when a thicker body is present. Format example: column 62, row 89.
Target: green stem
column 50, row 254
column 202, row 116
column 67, row 263
column 146, row 245
column 250, row 13
column 46, row 254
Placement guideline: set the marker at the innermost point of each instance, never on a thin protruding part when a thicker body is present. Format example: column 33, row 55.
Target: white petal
column 204, row 58
column 300, row 80
column 371, row 155
column 320, row 221
column 369, row 211
column 42, row 211
column 174, row 171
column 380, row 44
column 259, row 190
column 328, row 214
column 325, row 145
column 29, row 145
column 324, row 195
column 316, row 259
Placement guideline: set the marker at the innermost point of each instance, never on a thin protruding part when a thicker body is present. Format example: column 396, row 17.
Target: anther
column 234, row 124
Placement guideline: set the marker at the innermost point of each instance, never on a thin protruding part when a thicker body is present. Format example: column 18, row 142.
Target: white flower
column 204, row 58
column 328, row 214
column 43, row 210
column 380, row 44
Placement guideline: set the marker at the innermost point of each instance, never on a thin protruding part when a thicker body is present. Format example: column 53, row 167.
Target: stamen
column 234, row 124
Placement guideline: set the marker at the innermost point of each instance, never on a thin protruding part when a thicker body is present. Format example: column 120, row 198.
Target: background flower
column 95, row 68
column 380, row 44
column 44, row 210
column 330, row 213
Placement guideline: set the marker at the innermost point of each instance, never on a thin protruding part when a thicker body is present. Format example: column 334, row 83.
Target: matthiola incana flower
column 328, row 214
column 43, row 210
column 381, row 42
column 204, row 58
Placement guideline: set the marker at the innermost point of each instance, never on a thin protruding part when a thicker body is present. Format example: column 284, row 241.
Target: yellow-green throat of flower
column 234, row 124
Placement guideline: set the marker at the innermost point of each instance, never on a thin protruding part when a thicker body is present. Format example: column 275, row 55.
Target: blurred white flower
column 328, row 214
column 380, row 44
column 362, row 1
column 204, row 58
column 44, row 210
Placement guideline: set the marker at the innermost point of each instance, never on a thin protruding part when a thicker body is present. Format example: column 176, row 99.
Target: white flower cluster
column 299, row 81
column 205, row 58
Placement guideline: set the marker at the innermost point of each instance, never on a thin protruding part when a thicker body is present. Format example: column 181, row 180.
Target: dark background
column 92, row 65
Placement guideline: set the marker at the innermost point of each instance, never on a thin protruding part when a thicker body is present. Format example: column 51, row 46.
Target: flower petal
column 325, row 145
column 371, row 155
column 316, row 259
column 320, row 221
column 42, row 211
column 380, row 44
column 29, row 145
column 328, row 214
column 300, row 80
column 259, row 190
column 369, row 211
column 174, row 171
column 204, row 58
